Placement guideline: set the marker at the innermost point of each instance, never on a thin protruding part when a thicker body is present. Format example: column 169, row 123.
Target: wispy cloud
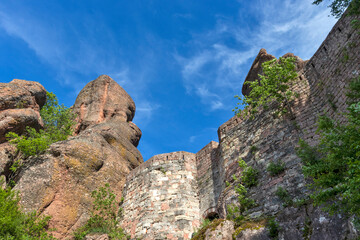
column 79, row 52
column 224, row 54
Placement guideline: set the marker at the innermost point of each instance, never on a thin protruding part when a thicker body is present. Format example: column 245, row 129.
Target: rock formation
column 59, row 183
column 20, row 103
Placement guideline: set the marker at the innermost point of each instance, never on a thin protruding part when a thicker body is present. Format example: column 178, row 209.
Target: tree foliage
column 58, row 125
column 103, row 215
column 334, row 164
column 339, row 6
column 16, row 225
column 274, row 86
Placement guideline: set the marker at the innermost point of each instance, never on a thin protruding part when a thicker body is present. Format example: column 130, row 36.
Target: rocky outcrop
column 20, row 102
column 100, row 101
column 255, row 69
column 59, row 183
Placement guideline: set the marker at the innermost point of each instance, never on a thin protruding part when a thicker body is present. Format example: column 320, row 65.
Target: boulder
column 256, row 68
column 59, row 183
column 102, row 100
column 22, row 94
column 20, row 103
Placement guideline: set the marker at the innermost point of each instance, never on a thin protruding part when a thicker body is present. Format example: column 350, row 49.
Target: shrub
column 334, row 163
column 274, row 86
column 14, row 224
column 249, row 175
column 273, row 228
column 284, row 196
column 58, row 125
column 103, row 216
column 276, row 168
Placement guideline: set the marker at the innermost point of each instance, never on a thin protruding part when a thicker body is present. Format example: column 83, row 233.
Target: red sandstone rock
column 59, row 183
column 20, row 102
column 255, row 69
column 16, row 120
column 97, row 236
column 102, row 100
column 22, row 94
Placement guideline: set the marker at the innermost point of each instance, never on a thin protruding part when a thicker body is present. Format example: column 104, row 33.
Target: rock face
column 102, row 100
column 59, row 183
column 20, row 102
column 255, row 69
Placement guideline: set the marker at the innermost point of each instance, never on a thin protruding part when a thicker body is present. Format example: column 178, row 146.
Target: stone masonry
column 168, row 196
column 161, row 198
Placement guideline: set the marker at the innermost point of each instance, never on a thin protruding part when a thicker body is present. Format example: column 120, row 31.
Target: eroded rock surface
column 59, row 183
column 20, row 102
column 102, row 100
column 223, row 231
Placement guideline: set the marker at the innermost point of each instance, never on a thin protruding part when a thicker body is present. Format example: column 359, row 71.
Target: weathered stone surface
column 22, row 94
column 59, row 183
column 255, row 69
column 97, row 236
column 7, row 152
column 16, row 120
column 161, row 198
column 20, row 102
column 253, row 234
column 102, row 100
column 224, row 231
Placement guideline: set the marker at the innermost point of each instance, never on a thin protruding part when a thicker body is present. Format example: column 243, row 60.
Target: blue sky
column 181, row 61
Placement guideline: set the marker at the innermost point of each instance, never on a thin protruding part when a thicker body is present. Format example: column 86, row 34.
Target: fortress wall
column 207, row 177
column 322, row 85
column 259, row 142
column 168, row 195
column 161, row 198
column 328, row 73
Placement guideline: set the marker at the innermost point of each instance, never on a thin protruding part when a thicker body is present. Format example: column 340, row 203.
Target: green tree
column 58, row 125
column 274, row 86
column 339, row 6
column 16, row 225
column 103, row 215
column 334, row 164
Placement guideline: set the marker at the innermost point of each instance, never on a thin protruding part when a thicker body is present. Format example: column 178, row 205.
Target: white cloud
column 279, row 26
column 145, row 111
column 73, row 51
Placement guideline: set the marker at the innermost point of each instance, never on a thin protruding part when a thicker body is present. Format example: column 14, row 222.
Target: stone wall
column 161, row 198
column 328, row 73
column 208, row 170
column 322, row 87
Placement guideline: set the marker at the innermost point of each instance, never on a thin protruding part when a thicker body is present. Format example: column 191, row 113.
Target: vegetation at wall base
column 205, row 225
column 103, row 217
column 16, row 225
column 58, row 126
column 274, row 85
column 334, row 163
